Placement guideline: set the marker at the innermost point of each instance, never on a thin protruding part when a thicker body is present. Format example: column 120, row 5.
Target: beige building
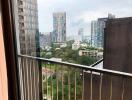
column 91, row 53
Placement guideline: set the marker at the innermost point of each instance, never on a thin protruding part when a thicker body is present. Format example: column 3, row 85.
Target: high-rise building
column 97, row 31
column 59, row 27
column 26, row 23
column 26, row 16
column 94, row 28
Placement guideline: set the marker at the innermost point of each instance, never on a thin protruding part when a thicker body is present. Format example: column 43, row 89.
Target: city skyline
column 79, row 16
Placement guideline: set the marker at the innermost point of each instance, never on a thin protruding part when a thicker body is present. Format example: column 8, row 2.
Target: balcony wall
column 118, row 51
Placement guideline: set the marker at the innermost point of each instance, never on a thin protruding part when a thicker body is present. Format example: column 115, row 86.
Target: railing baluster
column 91, row 87
column 35, row 80
column 83, row 84
column 46, row 68
column 75, row 85
column 57, row 82
column 23, row 77
column 30, row 62
column 123, row 89
column 62, row 82
column 100, row 87
column 111, row 87
column 27, row 80
column 69, row 85
column 33, row 94
column 34, row 66
column 51, row 83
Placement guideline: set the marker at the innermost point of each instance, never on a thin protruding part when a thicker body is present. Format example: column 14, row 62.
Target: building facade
column 59, row 27
column 80, row 34
column 27, row 34
column 45, row 39
column 97, row 31
column 94, row 28
column 26, row 15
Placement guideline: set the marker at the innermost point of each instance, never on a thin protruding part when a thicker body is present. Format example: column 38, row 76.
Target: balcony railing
column 68, row 81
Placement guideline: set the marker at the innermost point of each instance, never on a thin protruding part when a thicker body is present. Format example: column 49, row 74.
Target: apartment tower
column 59, row 27
column 97, row 31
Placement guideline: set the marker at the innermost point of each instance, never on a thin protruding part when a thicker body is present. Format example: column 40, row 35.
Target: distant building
column 80, row 34
column 45, row 39
column 76, row 45
column 97, row 31
column 94, row 31
column 59, row 27
column 91, row 53
column 63, row 45
column 87, row 39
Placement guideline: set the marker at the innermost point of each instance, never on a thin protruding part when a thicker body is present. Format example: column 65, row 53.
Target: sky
column 80, row 13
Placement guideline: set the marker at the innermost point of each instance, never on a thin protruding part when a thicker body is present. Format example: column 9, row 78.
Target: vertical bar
column 51, row 87
column 69, row 85
column 62, row 82
column 57, row 82
column 33, row 94
column 123, row 88
column 34, row 66
column 23, row 76
column 91, row 86
column 31, row 81
column 83, row 84
column 75, row 86
column 100, row 87
column 111, row 86
column 46, row 69
column 36, row 78
column 52, row 84
column 43, row 79
column 26, row 74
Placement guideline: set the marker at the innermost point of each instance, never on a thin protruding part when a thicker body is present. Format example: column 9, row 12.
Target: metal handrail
column 87, row 68
column 96, row 63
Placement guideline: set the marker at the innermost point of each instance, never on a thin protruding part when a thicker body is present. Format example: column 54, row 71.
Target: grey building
column 26, row 23
column 45, row 39
column 81, row 34
column 94, row 28
column 26, row 15
column 97, row 31
column 59, row 27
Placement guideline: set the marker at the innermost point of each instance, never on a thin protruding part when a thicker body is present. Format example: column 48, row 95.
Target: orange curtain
column 3, row 72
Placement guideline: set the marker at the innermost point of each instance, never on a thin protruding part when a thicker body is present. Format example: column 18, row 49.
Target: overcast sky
column 80, row 13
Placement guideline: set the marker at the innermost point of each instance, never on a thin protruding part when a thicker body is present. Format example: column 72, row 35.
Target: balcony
column 67, row 81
